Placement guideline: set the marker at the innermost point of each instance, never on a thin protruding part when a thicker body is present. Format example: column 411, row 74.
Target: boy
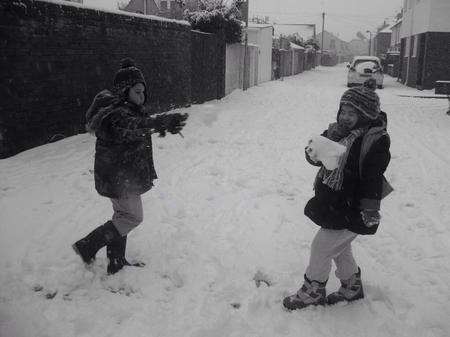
column 123, row 167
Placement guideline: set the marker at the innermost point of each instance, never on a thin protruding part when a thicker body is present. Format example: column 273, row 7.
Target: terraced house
column 425, row 43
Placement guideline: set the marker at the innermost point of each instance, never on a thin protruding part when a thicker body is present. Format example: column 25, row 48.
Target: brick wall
column 436, row 63
column 437, row 60
column 208, row 55
column 55, row 58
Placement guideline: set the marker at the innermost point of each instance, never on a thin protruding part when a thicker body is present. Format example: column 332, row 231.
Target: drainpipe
column 411, row 26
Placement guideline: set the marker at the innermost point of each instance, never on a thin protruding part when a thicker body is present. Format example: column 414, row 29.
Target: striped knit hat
column 364, row 99
column 127, row 76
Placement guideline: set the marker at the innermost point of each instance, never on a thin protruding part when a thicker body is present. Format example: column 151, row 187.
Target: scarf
column 334, row 178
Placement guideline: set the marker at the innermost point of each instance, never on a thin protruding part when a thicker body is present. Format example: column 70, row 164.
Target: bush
column 217, row 19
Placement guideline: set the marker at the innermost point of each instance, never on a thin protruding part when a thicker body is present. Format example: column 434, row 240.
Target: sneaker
column 350, row 290
column 311, row 293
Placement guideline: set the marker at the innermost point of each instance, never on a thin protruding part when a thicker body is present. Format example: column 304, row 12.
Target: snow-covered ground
column 228, row 205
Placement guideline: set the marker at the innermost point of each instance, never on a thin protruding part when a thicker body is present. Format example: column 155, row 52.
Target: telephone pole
column 323, row 33
column 246, row 78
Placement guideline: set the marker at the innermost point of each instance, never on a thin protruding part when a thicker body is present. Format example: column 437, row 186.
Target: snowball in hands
column 326, row 151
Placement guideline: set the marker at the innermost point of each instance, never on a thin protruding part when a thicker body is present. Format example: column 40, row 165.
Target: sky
column 344, row 18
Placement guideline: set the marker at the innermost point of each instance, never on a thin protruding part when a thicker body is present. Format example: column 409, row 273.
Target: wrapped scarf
column 334, row 178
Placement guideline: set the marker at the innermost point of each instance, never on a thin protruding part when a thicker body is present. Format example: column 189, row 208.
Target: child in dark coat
column 123, row 166
column 347, row 199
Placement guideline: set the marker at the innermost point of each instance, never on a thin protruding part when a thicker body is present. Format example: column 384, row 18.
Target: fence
column 234, row 75
column 207, row 68
column 291, row 62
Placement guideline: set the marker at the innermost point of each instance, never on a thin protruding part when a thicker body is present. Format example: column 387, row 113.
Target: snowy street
column 228, row 205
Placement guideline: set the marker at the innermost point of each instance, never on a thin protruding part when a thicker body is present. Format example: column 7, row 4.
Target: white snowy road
column 228, row 205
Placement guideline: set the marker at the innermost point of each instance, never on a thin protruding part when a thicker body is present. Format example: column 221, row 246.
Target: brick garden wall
column 437, row 60
column 208, row 55
column 55, row 58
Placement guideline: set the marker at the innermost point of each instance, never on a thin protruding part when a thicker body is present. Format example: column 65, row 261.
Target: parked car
column 364, row 67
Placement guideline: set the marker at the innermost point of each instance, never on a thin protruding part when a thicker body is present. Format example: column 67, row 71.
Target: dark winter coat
column 362, row 188
column 123, row 150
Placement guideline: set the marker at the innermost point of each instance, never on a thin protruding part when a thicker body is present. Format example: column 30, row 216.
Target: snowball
column 326, row 151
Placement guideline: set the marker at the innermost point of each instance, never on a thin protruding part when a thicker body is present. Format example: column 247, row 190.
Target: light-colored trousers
column 331, row 245
column 128, row 213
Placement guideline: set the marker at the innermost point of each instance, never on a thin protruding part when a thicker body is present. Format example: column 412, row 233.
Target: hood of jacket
column 102, row 105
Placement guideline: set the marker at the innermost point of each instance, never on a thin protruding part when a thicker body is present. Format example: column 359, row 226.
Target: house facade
column 334, row 44
column 425, row 43
column 381, row 42
column 359, row 47
column 393, row 52
column 395, row 37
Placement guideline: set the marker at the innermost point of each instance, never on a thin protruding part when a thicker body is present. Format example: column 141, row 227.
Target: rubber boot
column 88, row 246
column 311, row 293
column 350, row 290
column 115, row 251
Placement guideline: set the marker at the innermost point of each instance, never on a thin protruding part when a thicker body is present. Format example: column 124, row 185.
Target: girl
column 347, row 199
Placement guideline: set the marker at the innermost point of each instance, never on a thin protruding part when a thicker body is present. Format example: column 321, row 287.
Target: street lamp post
column 370, row 41
column 246, row 79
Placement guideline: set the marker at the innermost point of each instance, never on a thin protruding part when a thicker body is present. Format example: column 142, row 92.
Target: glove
column 159, row 126
column 370, row 217
column 172, row 123
column 176, row 122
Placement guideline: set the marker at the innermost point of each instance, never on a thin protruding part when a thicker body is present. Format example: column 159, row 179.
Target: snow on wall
column 106, row 9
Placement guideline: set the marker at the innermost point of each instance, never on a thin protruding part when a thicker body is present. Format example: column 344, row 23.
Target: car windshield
column 361, row 65
column 368, row 63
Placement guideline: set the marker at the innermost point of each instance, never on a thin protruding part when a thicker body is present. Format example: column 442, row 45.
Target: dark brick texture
column 432, row 62
column 55, row 58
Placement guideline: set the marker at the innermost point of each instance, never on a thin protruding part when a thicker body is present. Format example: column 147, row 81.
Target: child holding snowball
column 347, row 198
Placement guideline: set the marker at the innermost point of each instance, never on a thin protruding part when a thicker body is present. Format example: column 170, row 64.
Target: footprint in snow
column 262, row 278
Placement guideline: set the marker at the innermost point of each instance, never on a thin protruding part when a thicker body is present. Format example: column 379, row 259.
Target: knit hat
column 127, row 76
column 364, row 99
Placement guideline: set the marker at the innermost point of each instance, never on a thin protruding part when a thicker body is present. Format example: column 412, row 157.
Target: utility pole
column 246, row 78
column 370, row 41
column 323, row 33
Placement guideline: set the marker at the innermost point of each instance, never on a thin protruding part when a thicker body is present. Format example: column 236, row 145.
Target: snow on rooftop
column 296, row 46
column 386, row 30
column 259, row 25
column 116, row 11
column 369, row 58
column 399, row 21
